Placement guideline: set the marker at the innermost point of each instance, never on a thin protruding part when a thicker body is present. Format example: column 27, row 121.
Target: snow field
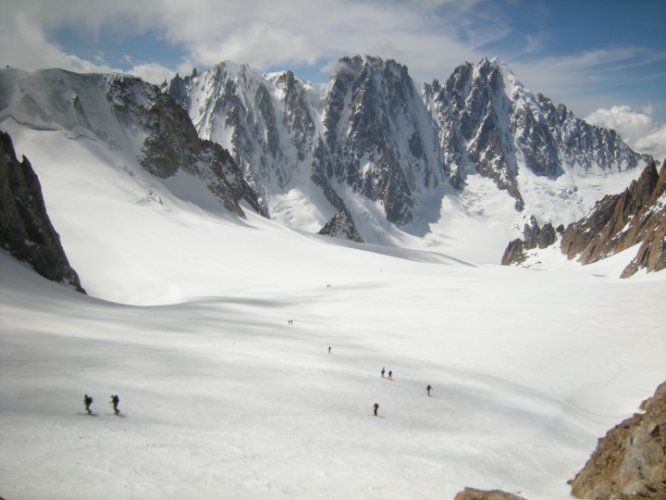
column 188, row 321
column 225, row 399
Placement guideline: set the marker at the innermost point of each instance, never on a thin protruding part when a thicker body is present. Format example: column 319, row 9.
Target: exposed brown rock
column 621, row 221
column 630, row 461
column 514, row 253
column 474, row 494
column 617, row 222
column 534, row 237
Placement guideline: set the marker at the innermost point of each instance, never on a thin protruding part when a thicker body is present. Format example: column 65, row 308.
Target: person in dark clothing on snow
column 87, row 401
column 114, row 401
column 428, row 389
column 390, row 377
column 383, row 372
column 375, row 408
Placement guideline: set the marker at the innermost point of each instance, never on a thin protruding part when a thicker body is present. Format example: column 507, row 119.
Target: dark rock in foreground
column 630, row 461
column 25, row 228
column 474, row 494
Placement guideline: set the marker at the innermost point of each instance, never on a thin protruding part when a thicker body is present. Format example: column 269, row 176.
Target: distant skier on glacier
column 114, row 401
column 87, row 401
column 383, row 372
column 428, row 389
column 375, row 408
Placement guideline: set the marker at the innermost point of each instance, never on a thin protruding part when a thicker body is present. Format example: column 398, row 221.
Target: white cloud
column 153, row 73
column 23, row 45
column 637, row 128
column 431, row 37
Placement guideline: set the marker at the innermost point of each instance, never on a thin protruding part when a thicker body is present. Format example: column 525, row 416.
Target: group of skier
column 114, row 401
column 375, row 407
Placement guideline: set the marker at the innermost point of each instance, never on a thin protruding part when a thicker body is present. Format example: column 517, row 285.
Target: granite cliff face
column 638, row 215
column 25, row 229
column 372, row 136
column 630, row 461
column 378, row 136
column 617, row 222
column 489, row 123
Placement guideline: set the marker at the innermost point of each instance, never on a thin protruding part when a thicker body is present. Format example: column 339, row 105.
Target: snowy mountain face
column 265, row 123
column 489, row 123
column 133, row 120
column 422, row 167
column 378, row 136
column 385, row 150
column 369, row 130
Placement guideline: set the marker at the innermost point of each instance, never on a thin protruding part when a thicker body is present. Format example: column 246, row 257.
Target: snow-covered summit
column 375, row 144
column 407, row 163
column 140, row 130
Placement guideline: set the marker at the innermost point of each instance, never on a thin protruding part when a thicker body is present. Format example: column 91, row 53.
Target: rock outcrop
column 617, row 222
column 25, row 229
column 474, row 494
column 534, row 237
column 638, row 215
column 341, row 225
column 630, row 461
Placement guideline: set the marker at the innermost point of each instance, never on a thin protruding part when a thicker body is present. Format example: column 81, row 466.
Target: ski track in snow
column 188, row 321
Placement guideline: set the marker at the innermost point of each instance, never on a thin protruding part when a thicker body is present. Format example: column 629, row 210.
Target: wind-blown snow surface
column 188, row 321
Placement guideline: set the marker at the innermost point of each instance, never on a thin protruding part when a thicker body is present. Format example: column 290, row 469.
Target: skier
column 375, row 408
column 329, row 349
column 87, row 401
column 383, row 372
column 114, row 401
column 428, row 389
column 390, row 377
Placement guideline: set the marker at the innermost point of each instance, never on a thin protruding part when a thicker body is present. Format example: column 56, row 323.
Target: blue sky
column 591, row 55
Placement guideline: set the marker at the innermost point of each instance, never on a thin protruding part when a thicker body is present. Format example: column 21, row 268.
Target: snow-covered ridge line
column 407, row 164
column 397, row 144
column 141, row 128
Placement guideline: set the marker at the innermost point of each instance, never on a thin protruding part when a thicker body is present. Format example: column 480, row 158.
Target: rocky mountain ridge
column 374, row 134
column 617, row 222
column 131, row 118
column 372, row 147
column 26, row 231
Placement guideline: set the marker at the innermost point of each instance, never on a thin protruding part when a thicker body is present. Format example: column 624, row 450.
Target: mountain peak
column 373, row 64
column 370, row 136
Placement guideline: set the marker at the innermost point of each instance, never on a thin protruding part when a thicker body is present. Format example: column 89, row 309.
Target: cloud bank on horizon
column 602, row 59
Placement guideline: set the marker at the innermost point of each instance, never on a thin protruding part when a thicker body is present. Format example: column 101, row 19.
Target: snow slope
column 188, row 321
